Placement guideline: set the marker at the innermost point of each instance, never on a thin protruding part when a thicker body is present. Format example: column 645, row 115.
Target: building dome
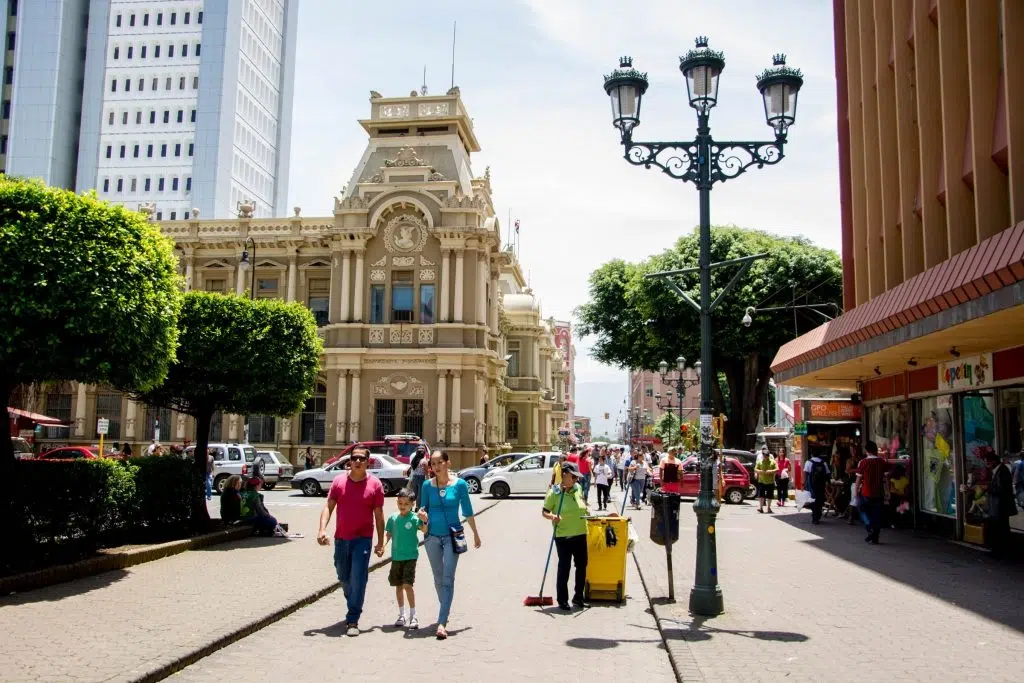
column 522, row 302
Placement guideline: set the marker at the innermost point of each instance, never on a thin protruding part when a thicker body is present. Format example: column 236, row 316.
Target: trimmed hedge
column 67, row 509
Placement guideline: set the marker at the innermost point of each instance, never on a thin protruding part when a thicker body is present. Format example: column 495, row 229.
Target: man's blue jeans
column 870, row 510
column 585, row 484
column 443, row 563
column 209, row 487
column 352, row 562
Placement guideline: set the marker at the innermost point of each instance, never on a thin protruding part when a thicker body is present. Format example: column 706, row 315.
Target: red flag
column 517, row 226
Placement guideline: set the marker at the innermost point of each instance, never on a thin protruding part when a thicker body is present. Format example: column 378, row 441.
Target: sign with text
column 966, row 373
column 102, row 426
column 831, row 410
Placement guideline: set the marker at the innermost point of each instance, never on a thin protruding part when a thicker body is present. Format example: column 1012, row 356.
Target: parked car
column 277, row 469
column 233, row 458
column 745, row 458
column 737, row 480
column 22, row 449
column 317, row 481
column 474, row 475
column 401, row 447
column 529, row 474
column 71, row 453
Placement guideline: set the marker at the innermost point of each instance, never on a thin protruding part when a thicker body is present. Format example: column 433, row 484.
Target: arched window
column 512, row 426
column 314, row 416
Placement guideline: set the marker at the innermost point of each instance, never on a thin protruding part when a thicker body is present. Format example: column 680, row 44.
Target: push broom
column 540, row 600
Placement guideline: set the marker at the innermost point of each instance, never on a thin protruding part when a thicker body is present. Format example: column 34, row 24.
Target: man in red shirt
column 585, row 466
column 871, row 490
column 359, row 498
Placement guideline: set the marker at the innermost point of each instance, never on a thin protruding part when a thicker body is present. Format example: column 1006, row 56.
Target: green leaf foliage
column 667, row 429
column 639, row 322
column 241, row 356
column 89, row 291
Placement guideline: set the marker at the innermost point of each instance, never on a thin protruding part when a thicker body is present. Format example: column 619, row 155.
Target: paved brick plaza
column 803, row 604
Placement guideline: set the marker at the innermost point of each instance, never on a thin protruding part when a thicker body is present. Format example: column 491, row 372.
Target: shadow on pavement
column 607, row 644
column 250, row 542
column 59, row 591
column 337, row 630
column 965, row 577
column 697, row 631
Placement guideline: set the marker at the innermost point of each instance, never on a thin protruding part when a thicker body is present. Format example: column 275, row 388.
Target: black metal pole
column 668, row 546
column 706, row 594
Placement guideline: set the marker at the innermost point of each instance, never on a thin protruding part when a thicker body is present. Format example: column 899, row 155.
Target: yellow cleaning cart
column 607, row 541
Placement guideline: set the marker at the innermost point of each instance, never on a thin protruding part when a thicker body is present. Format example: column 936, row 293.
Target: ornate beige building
column 427, row 324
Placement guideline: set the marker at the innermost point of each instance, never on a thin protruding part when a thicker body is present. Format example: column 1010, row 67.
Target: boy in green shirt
column 401, row 530
column 566, row 509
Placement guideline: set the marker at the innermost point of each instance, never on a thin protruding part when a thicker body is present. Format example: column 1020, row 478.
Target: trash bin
column 658, row 500
column 607, row 539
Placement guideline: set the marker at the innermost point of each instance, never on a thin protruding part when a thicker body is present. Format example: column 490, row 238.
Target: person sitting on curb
column 231, row 500
column 255, row 512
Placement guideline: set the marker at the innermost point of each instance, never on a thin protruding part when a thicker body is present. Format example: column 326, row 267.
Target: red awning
column 34, row 417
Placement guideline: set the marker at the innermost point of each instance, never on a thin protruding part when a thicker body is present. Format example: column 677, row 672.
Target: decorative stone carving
column 405, row 233
column 426, row 335
column 195, row 213
column 454, row 91
column 427, row 275
column 148, row 209
column 381, row 262
column 377, row 275
column 394, row 111
column 297, row 210
column 406, row 158
column 246, row 208
column 435, row 176
column 425, row 261
column 403, row 261
column 401, row 335
column 374, row 95
column 399, row 384
column 376, row 335
column 433, row 109
column 377, row 177
column 353, row 202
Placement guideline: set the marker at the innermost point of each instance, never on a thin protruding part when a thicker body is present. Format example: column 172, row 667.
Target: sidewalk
column 126, row 624
column 816, row 603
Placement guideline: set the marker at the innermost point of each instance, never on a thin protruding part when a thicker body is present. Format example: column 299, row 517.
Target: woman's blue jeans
column 443, row 562
column 636, row 488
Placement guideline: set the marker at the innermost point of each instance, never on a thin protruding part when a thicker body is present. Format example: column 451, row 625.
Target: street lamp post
column 680, row 382
column 245, row 263
column 704, row 161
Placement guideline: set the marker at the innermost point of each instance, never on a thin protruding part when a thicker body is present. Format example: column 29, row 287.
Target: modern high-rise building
column 178, row 104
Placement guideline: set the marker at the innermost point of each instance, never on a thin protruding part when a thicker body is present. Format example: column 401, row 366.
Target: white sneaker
column 400, row 621
column 413, row 623
column 352, row 631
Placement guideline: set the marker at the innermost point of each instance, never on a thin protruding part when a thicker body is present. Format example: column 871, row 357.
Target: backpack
column 819, row 474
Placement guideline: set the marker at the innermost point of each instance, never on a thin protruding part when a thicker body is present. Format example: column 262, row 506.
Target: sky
column 531, row 75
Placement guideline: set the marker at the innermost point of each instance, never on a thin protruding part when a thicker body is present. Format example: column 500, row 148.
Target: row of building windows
column 268, row 31
column 248, row 175
column 130, row 51
column 119, row 19
column 165, row 150
column 132, row 185
column 256, row 116
column 168, row 81
column 255, row 81
column 166, row 118
column 254, row 146
column 260, row 55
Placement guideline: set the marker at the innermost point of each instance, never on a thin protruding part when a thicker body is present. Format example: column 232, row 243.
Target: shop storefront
column 958, row 411
column 829, row 428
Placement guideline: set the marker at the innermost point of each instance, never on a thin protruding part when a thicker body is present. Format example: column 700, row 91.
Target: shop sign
column 966, row 373
column 833, row 410
column 800, row 429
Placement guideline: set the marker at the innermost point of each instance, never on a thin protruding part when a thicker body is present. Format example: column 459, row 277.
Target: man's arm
column 378, row 518
column 325, row 518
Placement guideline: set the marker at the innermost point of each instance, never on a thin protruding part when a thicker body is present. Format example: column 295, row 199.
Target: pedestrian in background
column 308, row 460
column 765, row 468
column 870, row 489
column 567, row 510
column 585, row 467
column 638, row 470
column 417, row 472
column 443, row 497
column 816, row 475
column 209, row 474
column 782, row 478
column 671, row 473
column 603, row 479
column 359, row 499
column 1001, row 505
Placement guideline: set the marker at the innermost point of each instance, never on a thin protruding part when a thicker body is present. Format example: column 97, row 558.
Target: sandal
column 441, row 633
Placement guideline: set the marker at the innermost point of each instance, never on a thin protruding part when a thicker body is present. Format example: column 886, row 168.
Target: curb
column 657, row 621
column 109, row 560
column 179, row 663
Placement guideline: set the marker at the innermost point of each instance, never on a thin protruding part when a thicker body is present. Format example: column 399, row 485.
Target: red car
column 70, row 453
column 401, row 447
column 737, row 479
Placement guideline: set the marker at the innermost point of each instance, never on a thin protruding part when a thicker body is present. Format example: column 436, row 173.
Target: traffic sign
column 102, row 426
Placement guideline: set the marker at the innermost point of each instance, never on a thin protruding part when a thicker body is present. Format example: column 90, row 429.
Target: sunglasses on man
column 359, row 458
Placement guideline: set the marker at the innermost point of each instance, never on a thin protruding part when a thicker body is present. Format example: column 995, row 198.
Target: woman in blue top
column 440, row 501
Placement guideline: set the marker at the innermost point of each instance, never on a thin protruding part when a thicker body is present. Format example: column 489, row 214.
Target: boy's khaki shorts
column 403, row 573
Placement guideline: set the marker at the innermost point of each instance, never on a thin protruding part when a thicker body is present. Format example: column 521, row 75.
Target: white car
column 317, row 481
column 277, row 469
column 530, row 474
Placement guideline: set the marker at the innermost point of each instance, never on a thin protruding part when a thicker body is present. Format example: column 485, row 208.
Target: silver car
column 317, row 481
column 277, row 469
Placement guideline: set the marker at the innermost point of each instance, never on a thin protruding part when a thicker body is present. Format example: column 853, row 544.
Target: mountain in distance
column 594, row 399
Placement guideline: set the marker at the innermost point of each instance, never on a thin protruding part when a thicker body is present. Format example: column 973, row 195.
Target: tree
column 667, row 429
column 238, row 356
column 89, row 293
column 639, row 322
